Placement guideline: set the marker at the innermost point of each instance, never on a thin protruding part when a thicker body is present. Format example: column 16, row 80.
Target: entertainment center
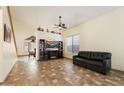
column 50, row 49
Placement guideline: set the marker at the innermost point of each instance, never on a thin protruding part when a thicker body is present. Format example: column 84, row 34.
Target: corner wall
column 104, row 33
column 8, row 53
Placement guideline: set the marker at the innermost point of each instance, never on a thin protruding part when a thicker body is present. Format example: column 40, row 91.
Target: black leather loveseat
column 97, row 61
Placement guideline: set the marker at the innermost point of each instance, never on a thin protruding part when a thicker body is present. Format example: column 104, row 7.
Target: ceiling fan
column 60, row 25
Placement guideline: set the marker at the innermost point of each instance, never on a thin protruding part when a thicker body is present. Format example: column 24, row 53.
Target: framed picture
column 7, row 34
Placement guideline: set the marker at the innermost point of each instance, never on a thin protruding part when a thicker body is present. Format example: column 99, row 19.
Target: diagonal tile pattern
column 58, row 72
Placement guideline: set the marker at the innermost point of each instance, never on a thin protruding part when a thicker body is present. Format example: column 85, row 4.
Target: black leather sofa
column 97, row 61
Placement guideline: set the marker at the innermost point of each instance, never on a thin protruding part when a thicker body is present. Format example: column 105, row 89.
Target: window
column 69, row 44
column 75, row 46
column 72, row 44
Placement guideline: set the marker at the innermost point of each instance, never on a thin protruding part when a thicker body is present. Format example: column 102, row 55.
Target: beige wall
column 22, row 31
column 104, row 33
column 8, row 54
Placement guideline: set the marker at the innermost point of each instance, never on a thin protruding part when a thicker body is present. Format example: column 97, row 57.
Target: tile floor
column 58, row 72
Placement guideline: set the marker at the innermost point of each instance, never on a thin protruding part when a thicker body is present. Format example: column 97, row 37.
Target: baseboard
column 118, row 71
column 23, row 55
column 68, row 58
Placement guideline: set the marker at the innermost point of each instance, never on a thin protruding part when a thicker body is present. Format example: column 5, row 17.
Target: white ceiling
column 47, row 16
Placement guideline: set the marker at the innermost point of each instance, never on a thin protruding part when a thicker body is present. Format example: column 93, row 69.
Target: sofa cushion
column 84, row 54
column 91, row 62
column 100, row 56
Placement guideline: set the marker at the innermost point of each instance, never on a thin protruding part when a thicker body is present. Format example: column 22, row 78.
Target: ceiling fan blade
column 63, row 25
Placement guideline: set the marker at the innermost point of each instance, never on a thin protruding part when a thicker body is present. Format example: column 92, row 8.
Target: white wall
column 46, row 36
column 22, row 31
column 104, row 33
column 8, row 54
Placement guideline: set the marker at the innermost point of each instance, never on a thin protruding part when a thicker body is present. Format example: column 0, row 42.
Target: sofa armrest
column 107, row 65
column 75, row 56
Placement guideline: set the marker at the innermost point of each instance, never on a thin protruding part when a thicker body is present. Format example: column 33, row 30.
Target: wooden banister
column 11, row 24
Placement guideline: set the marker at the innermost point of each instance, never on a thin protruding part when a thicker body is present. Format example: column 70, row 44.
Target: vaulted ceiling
column 47, row 16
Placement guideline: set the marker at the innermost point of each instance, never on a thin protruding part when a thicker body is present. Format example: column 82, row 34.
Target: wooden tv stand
column 53, row 54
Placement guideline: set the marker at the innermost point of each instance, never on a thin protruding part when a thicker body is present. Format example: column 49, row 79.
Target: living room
column 95, row 34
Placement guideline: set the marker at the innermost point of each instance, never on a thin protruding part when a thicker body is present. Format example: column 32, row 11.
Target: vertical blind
column 72, row 44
